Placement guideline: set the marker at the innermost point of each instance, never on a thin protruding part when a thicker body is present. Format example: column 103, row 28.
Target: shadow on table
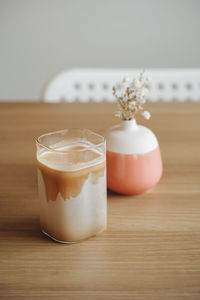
column 115, row 196
column 23, row 229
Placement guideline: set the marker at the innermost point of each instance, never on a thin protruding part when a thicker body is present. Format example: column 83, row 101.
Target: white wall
column 38, row 38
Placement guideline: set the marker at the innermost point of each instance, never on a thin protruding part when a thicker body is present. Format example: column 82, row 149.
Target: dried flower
column 146, row 114
column 131, row 95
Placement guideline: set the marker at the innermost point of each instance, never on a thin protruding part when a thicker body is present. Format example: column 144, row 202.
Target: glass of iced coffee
column 72, row 184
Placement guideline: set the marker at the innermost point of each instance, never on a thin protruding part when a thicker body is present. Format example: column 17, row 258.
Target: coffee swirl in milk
column 72, row 193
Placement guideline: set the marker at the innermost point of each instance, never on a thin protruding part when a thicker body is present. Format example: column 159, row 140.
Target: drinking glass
column 71, row 168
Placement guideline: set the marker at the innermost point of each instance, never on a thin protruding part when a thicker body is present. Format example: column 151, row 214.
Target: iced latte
column 72, row 184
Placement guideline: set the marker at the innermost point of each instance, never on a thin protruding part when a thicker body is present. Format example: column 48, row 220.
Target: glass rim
column 93, row 146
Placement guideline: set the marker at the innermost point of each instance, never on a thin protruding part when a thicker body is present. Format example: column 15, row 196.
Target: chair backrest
column 96, row 84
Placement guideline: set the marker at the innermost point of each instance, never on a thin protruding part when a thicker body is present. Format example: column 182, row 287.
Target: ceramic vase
column 134, row 163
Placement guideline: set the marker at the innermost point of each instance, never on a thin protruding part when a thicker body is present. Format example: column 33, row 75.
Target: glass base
column 63, row 242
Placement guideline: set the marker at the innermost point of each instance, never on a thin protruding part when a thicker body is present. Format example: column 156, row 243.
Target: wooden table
column 151, row 249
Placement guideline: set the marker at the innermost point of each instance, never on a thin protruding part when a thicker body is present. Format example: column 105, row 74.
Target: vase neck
column 129, row 124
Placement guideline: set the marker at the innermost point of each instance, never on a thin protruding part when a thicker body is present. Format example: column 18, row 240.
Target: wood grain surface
column 151, row 249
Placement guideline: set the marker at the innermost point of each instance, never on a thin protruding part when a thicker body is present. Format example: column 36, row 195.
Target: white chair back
column 96, row 84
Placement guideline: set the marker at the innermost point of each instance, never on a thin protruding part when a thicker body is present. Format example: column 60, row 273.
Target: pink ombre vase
column 134, row 163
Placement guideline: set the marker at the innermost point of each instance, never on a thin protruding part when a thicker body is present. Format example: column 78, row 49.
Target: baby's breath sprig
column 131, row 95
